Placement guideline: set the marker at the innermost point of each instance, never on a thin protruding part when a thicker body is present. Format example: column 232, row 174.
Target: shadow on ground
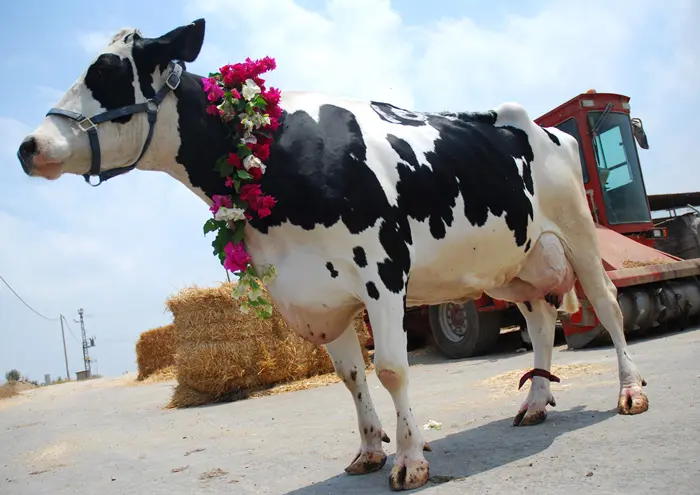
column 470, row 452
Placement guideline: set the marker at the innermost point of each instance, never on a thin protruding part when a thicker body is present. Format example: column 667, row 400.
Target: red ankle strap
column 537, row 372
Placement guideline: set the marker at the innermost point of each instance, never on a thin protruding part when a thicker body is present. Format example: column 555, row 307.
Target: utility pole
column 65, row 352
column 86, row 345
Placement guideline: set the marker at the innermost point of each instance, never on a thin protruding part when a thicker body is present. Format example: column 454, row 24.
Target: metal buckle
column 175, row 77
column 91, row 124
column 152, row 105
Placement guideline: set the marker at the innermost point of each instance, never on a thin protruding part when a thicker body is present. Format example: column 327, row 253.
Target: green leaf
column 244, row 174
column 211, row 225
column 244, row 150
column 223, row 166
column 259, row 102
column 238, row 233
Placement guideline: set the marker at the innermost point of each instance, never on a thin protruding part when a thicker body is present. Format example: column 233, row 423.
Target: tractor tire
column 460, row 331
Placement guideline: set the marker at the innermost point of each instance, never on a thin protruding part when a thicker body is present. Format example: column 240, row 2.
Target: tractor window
column 570, row 127
column 618, row 169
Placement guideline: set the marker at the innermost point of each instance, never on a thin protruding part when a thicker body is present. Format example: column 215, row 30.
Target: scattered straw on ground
column 155, row 350
column 225, row 355
column 163, row 375
column 507, row 383
column 628, row 263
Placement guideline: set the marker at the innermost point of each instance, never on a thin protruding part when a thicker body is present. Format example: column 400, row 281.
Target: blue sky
column 120, row 250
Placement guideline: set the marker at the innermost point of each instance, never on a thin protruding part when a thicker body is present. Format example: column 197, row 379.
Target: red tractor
column 655, row 288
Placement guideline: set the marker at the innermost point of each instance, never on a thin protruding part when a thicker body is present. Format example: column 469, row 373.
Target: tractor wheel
column 460, row 331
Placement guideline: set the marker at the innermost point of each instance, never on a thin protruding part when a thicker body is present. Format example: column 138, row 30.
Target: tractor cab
column 612, row 174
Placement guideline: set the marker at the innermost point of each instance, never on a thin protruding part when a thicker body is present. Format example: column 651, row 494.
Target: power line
column 69, row 329
column 25, row 303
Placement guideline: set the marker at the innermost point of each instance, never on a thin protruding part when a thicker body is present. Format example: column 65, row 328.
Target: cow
column 378, row 207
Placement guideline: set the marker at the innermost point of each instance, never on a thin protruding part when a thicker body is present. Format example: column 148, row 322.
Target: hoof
column 533, row 415
column 366, row 462
column 632, row 400
column 530, row 418
column 412, row 474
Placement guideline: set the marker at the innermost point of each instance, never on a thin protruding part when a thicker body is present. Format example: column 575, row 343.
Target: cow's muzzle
column 27, row 150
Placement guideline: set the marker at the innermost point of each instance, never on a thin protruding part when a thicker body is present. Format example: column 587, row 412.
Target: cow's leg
column 540, row 317
column 349, row 364
column 602, row 294
column 410, row 468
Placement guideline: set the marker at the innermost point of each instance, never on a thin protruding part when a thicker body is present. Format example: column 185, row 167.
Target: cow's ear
column 182, row 43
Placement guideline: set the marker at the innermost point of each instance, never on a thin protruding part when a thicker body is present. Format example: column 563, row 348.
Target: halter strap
column 89, row 125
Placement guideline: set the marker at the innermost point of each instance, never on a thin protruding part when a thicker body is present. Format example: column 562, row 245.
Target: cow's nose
column 26, row 153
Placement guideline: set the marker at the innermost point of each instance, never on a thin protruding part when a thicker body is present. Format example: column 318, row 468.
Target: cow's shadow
column 469, row 452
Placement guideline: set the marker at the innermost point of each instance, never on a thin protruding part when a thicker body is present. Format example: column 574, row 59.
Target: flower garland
column 238, row 96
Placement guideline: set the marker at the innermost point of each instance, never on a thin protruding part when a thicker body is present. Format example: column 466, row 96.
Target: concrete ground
column 110, row 437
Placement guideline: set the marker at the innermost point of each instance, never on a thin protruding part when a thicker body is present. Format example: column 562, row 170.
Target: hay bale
column 155, row 350
column 224, row 355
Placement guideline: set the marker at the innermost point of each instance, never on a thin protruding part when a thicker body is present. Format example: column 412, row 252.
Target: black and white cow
column 377, row 207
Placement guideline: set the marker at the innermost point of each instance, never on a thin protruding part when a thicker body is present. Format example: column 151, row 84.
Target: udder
column 546, row 271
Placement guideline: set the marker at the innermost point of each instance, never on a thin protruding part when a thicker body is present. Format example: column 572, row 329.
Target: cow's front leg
column 411, row 470
column 349, row 364
column 540, row 317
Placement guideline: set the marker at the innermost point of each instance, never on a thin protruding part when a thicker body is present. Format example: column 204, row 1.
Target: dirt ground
column 110, row 436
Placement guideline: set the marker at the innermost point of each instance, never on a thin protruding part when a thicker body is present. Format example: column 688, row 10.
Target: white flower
column 250, row 89
column 269, row 275
column 246, row 122
column 252, row 161
column 240, row 289
column 255, row 294
column 260, row 120
column 227, row 214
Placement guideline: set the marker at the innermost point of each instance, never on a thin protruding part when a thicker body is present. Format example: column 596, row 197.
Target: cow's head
column 131, row 70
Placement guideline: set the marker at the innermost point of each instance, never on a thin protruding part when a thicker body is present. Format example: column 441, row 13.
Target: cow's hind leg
column 602, row 294
column 410, row 470
column 540, row 317
column 349, row 365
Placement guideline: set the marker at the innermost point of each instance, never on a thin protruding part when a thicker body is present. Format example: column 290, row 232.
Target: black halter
column 89, row 125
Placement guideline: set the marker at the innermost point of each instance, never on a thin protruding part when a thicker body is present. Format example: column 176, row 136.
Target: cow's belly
column 467, row 262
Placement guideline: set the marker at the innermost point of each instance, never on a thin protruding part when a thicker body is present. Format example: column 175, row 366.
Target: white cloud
column 92, row 42
column 541, row 60
column 12, row 132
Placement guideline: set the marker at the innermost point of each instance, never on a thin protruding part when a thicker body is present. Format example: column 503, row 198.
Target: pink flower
column 220, row 201
column 213, row 110
column 236, row 94
column 235, row 160
column 237, row 258
column 271, row 96
column 261, row 150
column 207, row 83
column 256, row 172
column 250, row 193
column 265, row 206
column 229, row 182
column 215, row 93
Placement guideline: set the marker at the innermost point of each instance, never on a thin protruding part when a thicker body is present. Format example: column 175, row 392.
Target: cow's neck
column 188, row 141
